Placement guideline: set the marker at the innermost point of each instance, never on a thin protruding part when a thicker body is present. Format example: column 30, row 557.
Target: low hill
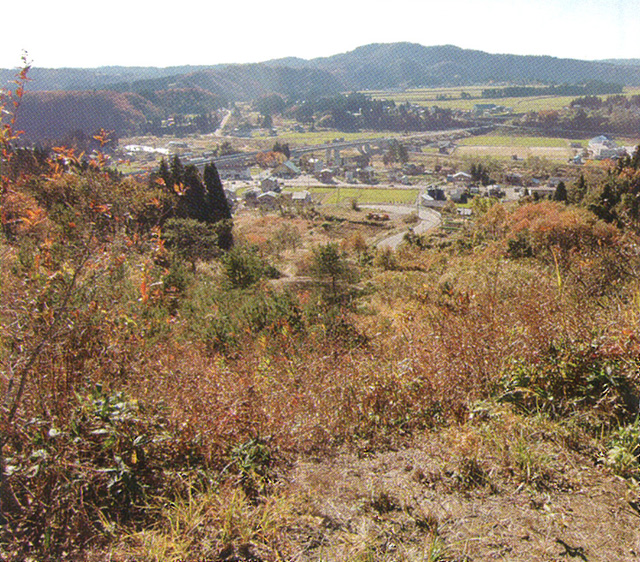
column 124, row 97
column 51, row 79
column 243, row 82
column 623, row 62
column 53, row 115
column 394, row 65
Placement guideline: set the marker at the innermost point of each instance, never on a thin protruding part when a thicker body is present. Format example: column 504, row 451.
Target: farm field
column 334, row 195
column 517, row 141
column 429, row 97
column 506, row 146
column 551, row 153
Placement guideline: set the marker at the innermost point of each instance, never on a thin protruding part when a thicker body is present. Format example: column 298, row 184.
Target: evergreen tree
column 164, row 173
column 194, row 202
column 579, row 190
column 560, row 193
column 218, row 206
column 635, row 159
column 201, row 198
column 403, row 154
column 176, row 170
column 267, row 122
column 282, row 149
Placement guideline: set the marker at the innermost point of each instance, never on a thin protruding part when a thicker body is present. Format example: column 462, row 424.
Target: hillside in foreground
column 303, row 395
column 183, row 383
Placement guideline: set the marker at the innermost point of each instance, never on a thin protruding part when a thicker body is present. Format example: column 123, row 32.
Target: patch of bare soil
column 429, row 502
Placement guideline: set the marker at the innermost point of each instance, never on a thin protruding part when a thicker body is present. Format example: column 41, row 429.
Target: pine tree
column 201, row 198
column 194, row 203
column 580, row 190
column 218, row 206
column 177, row 171
column 164, row 173
column 560, row 193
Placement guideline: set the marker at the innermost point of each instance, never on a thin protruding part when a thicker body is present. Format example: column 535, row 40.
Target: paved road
column 428, row 219
column 218, row 131
column 246, row 157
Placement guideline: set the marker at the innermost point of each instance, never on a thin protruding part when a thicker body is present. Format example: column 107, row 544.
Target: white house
column 301, row 198
column 602, row 147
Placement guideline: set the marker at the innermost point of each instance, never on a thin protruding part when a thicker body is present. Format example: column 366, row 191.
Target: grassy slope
column 458, row 401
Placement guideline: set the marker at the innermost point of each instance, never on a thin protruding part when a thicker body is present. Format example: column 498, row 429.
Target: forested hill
column 243, row 82
column 52, row 79
column 379, row 66
column 374, row 66
column 126, row 98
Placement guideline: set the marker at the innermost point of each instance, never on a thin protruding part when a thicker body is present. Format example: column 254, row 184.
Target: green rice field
column 335, row 195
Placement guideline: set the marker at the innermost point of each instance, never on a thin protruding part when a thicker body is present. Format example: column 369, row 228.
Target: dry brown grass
column 392, row 388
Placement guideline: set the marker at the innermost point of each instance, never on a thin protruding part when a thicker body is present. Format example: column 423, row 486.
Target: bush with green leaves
column 221, row 317
column 571, row 377
column 192, row 240
column 97, row 469
column 330, row 266
column 623, row 455
column 244, row 266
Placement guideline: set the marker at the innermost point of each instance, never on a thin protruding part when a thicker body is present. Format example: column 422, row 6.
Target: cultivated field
column 451, row 98
column 552, row 153
column 333, row 196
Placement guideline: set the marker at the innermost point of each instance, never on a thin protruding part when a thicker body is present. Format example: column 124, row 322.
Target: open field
column 516, row 141
column 519, row 151
column 506, row 146
column 335, row 195
column 429, row 97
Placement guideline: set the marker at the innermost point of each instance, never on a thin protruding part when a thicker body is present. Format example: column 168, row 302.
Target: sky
column 72, row 33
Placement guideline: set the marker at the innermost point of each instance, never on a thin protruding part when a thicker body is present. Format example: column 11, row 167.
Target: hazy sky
column 72, row 33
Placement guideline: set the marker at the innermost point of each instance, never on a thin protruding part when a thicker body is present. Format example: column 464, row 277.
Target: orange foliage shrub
column 549, row 224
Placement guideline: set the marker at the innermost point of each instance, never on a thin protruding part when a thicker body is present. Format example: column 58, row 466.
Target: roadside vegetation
column 166, row 396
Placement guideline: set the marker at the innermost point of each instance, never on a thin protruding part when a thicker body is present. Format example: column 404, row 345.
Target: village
column 432, row 174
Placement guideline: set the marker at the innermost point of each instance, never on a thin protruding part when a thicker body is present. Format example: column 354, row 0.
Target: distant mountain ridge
column 386, row 65
column 623, row 62
column 374, row 66
column 141, row 93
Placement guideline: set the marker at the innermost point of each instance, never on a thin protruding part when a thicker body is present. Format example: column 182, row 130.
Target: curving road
column 428, row 219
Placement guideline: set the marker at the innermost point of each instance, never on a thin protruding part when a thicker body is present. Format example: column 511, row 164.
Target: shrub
column 623, row 455
column 95, row 469
column 536, row 228
column 571, row 377
column 329, row 265
column 244, row 266
column 192, row 240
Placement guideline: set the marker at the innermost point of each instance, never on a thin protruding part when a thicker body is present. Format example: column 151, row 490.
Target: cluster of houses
column 601, row 147
column 459, row 188
column 258, row 198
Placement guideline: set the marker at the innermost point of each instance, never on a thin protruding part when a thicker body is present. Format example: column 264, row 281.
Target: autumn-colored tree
column 10, row 101
column 270, row 159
